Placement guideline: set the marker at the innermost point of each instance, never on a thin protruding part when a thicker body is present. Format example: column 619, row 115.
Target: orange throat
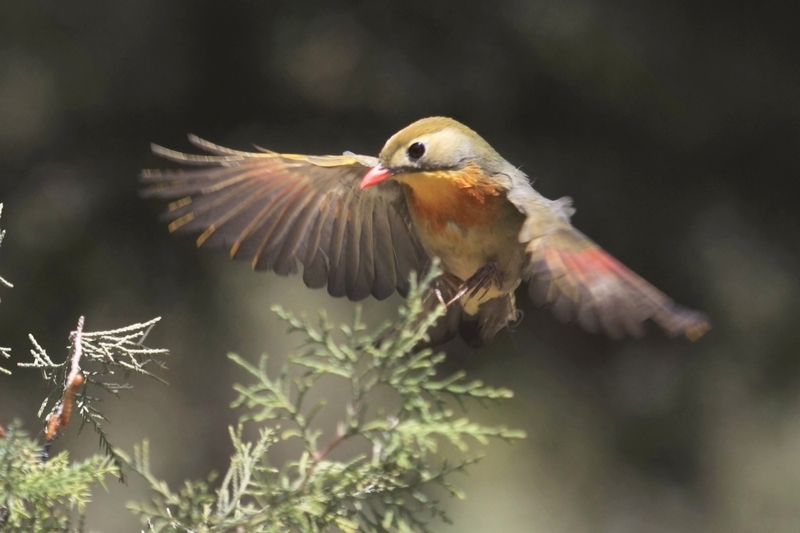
column 466, row 197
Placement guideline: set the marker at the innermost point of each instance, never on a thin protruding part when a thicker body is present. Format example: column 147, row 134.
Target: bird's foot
column 481, row 279
column 444, row 286
column 439, row 297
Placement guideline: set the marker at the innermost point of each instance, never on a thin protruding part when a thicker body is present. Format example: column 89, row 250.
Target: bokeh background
column 673, row 124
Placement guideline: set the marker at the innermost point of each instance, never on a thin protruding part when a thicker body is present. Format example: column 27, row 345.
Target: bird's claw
column 481, row 279
column 439, row 297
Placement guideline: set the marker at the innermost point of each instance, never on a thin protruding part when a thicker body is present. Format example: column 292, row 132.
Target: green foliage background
column 383, row 488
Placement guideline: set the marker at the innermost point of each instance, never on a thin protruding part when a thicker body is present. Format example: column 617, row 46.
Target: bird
column 359, row 225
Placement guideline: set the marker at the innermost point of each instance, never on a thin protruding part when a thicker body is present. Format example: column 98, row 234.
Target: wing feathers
column 339, row 236
column 585, row 284
column 353, row 255
column 582, row 282
column 292, row 193
column 315, row 274
column 383, row 254
column 361, row 273
column 281, row 209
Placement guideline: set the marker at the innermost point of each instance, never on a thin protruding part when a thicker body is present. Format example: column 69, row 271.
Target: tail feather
column 476, row 331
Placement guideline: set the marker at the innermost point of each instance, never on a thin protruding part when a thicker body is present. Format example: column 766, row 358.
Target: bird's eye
column 416, row 150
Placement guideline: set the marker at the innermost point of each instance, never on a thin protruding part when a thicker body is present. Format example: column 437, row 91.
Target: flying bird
column 359, row 225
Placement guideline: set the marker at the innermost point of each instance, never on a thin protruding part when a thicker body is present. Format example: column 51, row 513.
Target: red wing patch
column 582, row 283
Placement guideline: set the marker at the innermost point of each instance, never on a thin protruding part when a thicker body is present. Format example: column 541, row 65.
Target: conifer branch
column 387, row 486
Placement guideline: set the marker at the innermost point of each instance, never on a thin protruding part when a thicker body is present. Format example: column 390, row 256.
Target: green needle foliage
column 38, row 493
column 105, row 355
column 38, row 496
column 404, row 418
column 385, row 487
column 43, row 494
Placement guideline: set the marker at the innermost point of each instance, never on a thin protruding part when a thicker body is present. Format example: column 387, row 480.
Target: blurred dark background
column 673, row 124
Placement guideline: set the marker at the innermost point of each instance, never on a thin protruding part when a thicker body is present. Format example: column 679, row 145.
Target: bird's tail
column 493, row 315
column 476, row 331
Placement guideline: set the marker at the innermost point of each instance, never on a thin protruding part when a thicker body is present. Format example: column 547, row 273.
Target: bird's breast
column 463, row 197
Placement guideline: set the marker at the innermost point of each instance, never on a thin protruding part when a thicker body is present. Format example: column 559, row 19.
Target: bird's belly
column 464, row 250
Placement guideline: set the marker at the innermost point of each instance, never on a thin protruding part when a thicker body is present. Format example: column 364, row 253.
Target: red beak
column 376, row 174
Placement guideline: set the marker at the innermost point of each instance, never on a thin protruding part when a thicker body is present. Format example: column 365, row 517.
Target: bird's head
column 429, row 145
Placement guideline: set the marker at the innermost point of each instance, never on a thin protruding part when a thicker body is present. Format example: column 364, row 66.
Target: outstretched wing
column 281, row 209
column 583, row 283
